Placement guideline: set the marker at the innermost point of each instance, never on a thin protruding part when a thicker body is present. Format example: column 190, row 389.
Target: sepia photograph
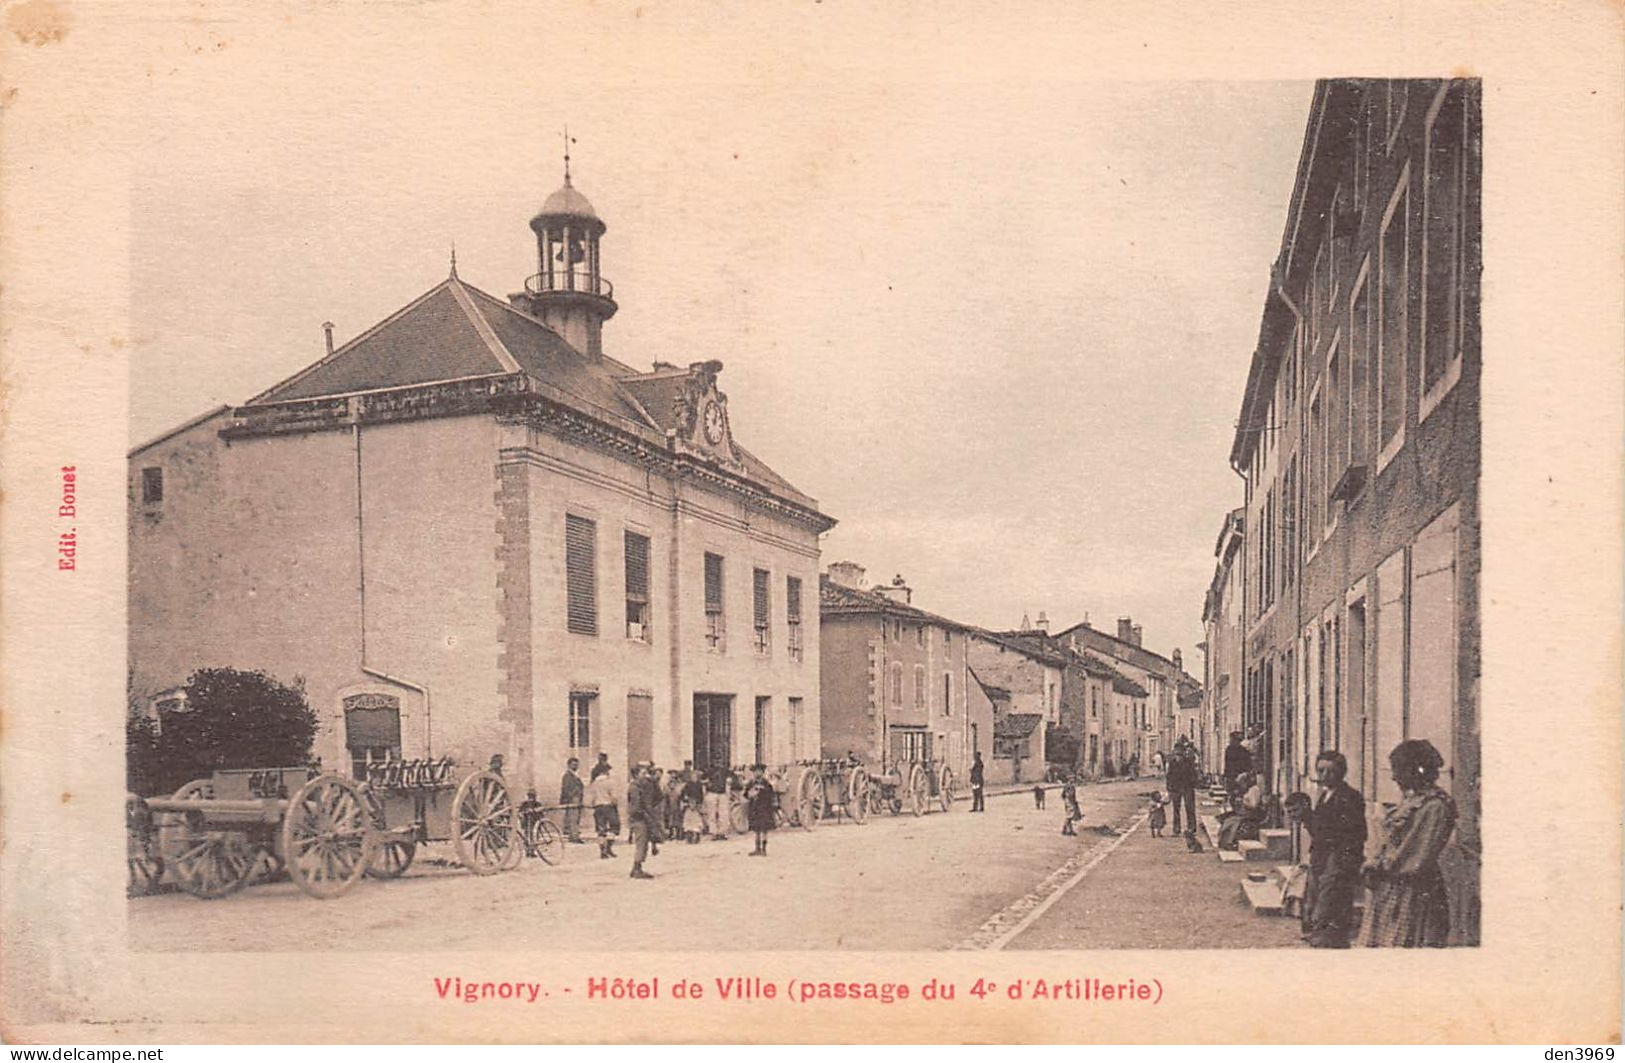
column 610, row 506
column 492, row 585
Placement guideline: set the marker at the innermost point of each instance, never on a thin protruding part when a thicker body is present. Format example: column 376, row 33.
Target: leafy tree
column 232, row 719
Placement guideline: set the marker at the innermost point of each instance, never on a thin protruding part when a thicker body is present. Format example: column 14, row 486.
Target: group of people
column 1407, row 904
column 1183, row 774
column 663, row 805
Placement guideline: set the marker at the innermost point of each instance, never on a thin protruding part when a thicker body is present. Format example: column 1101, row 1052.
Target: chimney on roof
column 898, row 591
column 1136, row 638
column 1026, row 623
column 327, row 330
column 1179, row 665
column 847, row 574
column 1125, row 629
column 1043, row 622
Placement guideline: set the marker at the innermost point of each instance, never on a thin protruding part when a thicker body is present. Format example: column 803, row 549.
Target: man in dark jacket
column 977, row 777
column 571, row 795
column 1237, row 762
column 1182, row 788
column 639, row 809
column 1337, row 826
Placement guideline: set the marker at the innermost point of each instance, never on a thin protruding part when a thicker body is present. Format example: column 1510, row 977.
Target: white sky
column 996, row 318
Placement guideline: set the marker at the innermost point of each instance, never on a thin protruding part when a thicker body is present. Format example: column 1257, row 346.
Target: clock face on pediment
column 715, row 422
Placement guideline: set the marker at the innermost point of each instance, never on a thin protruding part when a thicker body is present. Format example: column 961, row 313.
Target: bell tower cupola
column 569, row 292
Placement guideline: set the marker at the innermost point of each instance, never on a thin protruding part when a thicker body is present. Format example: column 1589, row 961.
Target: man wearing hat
column 639, row 809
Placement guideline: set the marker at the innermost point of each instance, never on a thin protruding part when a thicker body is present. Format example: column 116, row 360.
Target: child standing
column 1159, row 815
column 1038, row 795
column 1069, row 798
column 761, row 807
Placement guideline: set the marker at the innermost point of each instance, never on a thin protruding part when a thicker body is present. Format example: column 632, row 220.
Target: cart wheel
column 146, row 867
column 207, row 863
column 818, row 803
column 918, row 789
column 945, row 788
column 327, row 836
column 544, row 839
column 738, row 814
column 391, row 856
column 485, row 821
column 808, row 789
column 857, row 796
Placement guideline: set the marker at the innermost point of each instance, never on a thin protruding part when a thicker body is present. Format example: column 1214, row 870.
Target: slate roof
column 455, row 331
column 835, row 598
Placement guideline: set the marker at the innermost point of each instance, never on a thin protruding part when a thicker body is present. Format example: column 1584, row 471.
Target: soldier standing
column 571, row 794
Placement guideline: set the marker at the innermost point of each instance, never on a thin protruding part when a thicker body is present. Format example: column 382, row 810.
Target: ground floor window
column 583, row 707
column 372, row 730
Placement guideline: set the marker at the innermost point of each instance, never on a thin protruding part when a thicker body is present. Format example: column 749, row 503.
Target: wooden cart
column 418, row 802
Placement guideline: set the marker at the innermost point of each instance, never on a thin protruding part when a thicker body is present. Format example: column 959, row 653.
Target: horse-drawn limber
column 912, row 786
column 325, row 831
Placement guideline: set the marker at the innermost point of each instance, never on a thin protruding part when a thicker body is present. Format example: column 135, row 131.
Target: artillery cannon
column 913, row 786
column 324, row 830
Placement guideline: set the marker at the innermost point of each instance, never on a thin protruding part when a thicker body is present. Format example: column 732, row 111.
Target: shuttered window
column 760, row 603
column 792, row 608
column 580, row 574
column 637, row 586
column 714, row 626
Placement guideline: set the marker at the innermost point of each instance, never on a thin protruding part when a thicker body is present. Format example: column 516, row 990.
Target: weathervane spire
column 454, row 260
column 568, row 140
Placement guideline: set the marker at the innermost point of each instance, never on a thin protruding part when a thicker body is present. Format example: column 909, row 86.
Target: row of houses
column 470, row 530
column 1343, row 611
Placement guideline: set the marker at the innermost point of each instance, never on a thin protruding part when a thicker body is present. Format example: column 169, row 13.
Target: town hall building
column 471, row 531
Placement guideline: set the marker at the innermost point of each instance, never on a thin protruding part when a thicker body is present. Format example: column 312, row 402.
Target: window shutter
column 580, row 535
column 713, row 583
column 759, row 593
column 637, row 567
column 792, row 597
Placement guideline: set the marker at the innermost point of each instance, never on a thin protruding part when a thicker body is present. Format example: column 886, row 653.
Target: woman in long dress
column 1408, row 907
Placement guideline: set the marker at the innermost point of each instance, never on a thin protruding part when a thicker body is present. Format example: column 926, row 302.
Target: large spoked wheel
column 486, row 823
column 857, row 796
column 544, row 840
column 918, row 790
column 945, row 788
column 393, row 853
column 327, row 836
column 207, row 863
column 738, row 814
column 817, row 803
column 809, row 795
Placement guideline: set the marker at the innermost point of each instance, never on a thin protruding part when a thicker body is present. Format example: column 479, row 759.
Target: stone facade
column 895, row 685
column 526, row 548
column 1359, row 438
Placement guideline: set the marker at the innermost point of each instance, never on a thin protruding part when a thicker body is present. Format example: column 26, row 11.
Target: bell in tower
column 569, row 293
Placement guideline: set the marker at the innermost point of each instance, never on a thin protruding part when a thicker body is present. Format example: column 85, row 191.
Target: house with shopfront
column 1359, row 443
column 895, row 685
column 471, row 530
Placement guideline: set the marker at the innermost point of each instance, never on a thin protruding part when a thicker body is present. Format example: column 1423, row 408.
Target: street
column 1004, row 879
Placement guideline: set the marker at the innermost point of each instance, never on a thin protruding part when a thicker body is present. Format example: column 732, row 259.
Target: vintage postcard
column 803, row 522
